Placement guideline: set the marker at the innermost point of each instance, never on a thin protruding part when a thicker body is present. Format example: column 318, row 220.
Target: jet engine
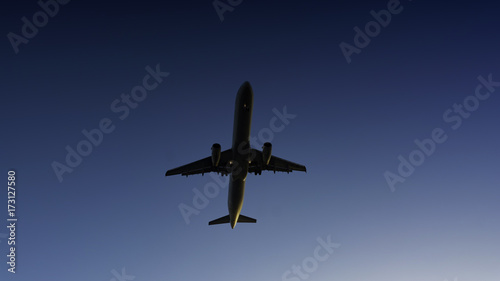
column 215, row 154
column 266, row 152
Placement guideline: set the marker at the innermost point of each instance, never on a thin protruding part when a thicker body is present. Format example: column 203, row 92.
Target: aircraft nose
column 245, row 88
column 245, row 94
column 246, row 84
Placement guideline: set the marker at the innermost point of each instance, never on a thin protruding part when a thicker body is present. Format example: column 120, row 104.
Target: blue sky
column 116, row 216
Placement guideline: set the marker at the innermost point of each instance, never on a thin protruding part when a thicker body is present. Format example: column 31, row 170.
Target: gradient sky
column 116, row 210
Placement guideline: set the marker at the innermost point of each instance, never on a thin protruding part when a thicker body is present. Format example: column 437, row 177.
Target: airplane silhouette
column 239, row 160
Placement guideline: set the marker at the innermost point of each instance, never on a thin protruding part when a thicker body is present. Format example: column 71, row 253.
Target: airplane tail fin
column 226, row 219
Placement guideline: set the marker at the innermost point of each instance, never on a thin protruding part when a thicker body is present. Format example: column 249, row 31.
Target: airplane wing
column 203, row 166
column 276, row 164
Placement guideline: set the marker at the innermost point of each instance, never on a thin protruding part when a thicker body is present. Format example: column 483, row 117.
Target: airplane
column 239, row 160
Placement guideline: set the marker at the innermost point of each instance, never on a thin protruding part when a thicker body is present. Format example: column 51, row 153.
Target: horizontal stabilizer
column 226, row 219
column 243, row 218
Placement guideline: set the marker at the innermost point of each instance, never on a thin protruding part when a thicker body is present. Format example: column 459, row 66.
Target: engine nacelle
column 215, row 154
column 266, row 152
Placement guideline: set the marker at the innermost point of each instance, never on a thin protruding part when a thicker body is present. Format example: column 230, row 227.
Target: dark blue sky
column 400, row 143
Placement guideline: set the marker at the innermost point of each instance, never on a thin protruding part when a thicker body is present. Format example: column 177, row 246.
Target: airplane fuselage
column 241, row 151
